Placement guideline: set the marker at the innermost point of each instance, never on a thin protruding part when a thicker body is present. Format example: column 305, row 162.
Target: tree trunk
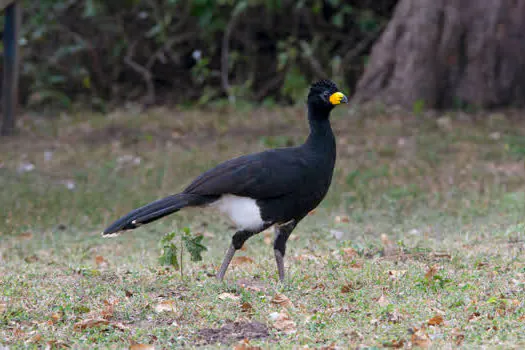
column 449, row 53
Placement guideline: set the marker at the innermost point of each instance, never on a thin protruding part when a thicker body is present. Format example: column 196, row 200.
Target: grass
column 418, row 243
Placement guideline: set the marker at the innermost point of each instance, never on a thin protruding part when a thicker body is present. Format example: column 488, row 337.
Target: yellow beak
column 338, row 98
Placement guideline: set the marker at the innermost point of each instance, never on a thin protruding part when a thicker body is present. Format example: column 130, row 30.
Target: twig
column 361, row 46
column 146, row 74
column 226, row 51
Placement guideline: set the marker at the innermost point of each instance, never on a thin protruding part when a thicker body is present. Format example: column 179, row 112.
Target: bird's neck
column 320, row 129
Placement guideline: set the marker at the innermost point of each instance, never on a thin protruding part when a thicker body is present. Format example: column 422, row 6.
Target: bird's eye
column 326, row 94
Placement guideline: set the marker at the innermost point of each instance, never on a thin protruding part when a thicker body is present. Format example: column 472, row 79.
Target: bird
column 276, row 187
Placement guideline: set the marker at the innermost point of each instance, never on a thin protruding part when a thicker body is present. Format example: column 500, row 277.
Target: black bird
column 275, row 187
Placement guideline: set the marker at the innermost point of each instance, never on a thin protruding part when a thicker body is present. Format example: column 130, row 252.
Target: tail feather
column 156, row 210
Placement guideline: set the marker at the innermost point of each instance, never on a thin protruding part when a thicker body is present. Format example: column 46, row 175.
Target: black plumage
column 275, row 187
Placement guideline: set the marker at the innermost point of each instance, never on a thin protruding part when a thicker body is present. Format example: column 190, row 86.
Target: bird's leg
column 282, row 232
column 238, row 240
column 226, row 262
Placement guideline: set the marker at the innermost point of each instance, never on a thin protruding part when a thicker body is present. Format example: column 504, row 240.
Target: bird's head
column 324, row 96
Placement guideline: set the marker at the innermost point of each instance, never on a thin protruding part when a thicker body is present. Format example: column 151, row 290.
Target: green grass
column 429, row 213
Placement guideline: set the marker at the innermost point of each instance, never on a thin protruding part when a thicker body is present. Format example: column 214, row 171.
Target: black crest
column 325, row 84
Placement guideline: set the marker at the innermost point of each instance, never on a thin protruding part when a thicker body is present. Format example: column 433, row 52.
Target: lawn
column 418, row 243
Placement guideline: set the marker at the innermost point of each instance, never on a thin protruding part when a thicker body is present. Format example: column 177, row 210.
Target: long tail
column 156, row 210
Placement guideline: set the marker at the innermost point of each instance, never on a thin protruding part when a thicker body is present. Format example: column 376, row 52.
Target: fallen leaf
column 341, row 218
column 57, row 316
column 165, row 306
column 320, row 286
column 420, row 338
column 347, row 288
column 436, row 321
column 90, row 323
column 31, row 259
column 389, row 248
column 240, row 260
column 229, row 296
column 395, row 344
column 137, row 346
column 396, row 274
column 128, row 293
column 247, row 308
column 3, row 307
column 349, row 253
column 245, row 345
column 394, row 317
column 109, row 309
column 382, row 301
column 34, row 339
column 283, row 300
column 431, row 272
column 268, row 237
column 56, row 344
column 457, row 336
column 25, row 236
column 283, row 322
column 100, row 261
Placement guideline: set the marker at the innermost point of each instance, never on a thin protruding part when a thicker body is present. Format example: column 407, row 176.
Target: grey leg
column 238, row 240
column 279, row 258
column 282, row 232
column 226, row 262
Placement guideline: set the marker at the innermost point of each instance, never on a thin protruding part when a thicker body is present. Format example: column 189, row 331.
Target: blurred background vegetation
column 96, row 53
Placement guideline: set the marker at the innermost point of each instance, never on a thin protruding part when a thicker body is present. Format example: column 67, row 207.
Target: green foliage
column 169, row 251
column 193, row 245
column 94, row 51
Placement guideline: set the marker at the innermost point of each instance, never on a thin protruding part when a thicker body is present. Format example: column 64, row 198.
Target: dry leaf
column 109, row 309
column 349, row 253
column 268, row 237
column 341, row 218
column 383, row 301
column 436, row 321
column 283, row 322
column 320, row 286
column 3, row 307
column 396, row 274
column 229, row 296
column 239, row 260
column 55, row 344
column 347, row 288
column 137, row 346
column 420, row 338
column 247, row 308
column 128, row 293
column 283, row 300
column 34, row 339
column 389, row 248
column 245, row 345
column 100, row 261
column 396, row 344
column 431, row 273
column 395, row 317
column 165, row 306
column 55, row 317
column 90, row 323
column 25, row 236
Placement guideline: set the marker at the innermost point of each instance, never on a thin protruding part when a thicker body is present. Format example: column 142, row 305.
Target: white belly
column 243, row 211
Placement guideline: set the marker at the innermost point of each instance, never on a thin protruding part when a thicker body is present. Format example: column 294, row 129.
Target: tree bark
column 449, row 53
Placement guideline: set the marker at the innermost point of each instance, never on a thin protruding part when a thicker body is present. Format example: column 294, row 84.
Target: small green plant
column 192, row 243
